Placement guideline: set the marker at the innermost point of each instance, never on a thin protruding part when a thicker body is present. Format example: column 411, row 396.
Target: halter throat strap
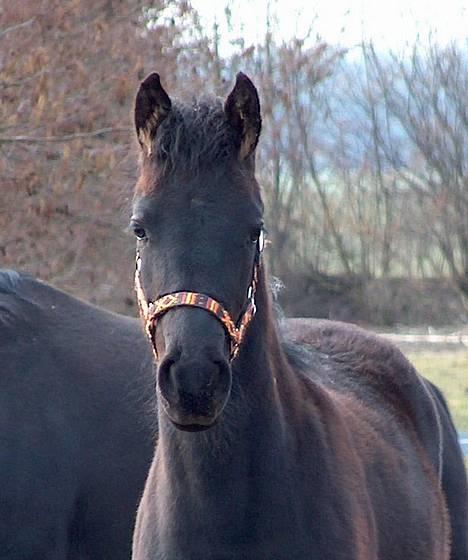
column 151, row 311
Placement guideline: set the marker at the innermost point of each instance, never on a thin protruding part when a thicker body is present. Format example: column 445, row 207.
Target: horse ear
column 242, row 109
column 152, row 105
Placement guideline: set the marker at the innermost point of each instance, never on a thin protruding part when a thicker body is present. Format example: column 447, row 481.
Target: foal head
column 197, row 217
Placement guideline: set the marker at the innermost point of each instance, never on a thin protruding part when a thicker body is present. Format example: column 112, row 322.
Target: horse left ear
column 152, row 105
column 242, row 109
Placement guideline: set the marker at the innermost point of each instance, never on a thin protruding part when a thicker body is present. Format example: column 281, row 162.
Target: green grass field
column 449, row 371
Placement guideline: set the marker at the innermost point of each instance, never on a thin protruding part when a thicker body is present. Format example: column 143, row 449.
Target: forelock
column 195, row 136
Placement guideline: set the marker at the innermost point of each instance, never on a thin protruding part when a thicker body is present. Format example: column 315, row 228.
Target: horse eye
column 255, row 234
column 139, row 232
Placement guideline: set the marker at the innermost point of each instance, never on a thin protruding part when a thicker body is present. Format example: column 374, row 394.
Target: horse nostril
column 166, row 381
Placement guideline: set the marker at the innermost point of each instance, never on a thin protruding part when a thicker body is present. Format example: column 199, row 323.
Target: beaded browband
column 151, row 311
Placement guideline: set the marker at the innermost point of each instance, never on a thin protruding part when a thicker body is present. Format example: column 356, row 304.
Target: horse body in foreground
column 75, row 437
column 265, row 450
column 69, row 513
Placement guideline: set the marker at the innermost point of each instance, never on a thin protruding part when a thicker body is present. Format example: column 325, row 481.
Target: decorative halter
column 151, row 311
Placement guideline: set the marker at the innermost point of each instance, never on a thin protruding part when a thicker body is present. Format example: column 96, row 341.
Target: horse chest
column 234, row 524
column 248, row 544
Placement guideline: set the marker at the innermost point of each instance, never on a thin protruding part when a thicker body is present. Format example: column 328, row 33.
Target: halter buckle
column 261, row 241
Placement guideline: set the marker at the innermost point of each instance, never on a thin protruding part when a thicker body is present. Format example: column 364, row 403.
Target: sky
column 390, row 24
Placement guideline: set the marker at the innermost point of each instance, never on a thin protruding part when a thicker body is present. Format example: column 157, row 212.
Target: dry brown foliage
column 67, row 78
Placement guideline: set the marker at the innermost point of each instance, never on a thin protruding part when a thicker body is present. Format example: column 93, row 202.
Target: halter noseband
column 151, row 311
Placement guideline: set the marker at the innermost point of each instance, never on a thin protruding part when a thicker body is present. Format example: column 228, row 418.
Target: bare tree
column 425, row 97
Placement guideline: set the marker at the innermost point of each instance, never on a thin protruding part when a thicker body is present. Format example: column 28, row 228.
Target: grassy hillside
column 449, row 371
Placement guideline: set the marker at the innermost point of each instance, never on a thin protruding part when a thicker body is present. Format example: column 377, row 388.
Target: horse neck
column 261, row 357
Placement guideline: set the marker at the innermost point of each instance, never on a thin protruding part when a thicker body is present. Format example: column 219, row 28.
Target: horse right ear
column 152, row 105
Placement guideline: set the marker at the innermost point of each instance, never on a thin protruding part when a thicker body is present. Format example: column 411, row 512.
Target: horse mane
column 10, row 280
column 197, row 134
column 11, row 296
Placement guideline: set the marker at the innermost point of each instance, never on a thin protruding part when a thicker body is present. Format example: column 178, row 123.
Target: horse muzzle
column 193, row 392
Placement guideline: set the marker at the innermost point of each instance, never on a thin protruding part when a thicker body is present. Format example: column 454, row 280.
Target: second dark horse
column 76, row 426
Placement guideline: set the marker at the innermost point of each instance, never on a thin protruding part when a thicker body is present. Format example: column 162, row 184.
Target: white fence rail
column 459, row 339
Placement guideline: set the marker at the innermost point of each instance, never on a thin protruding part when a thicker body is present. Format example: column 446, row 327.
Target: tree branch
column 64, row 138
column 17, row 26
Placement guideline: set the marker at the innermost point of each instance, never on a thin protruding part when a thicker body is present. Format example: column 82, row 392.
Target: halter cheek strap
column 152, row 311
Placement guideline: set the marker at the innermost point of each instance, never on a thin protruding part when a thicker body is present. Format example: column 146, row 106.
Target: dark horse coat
column 365, row 354
column 328, row 452
column 63, row 365
column 75, row 433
